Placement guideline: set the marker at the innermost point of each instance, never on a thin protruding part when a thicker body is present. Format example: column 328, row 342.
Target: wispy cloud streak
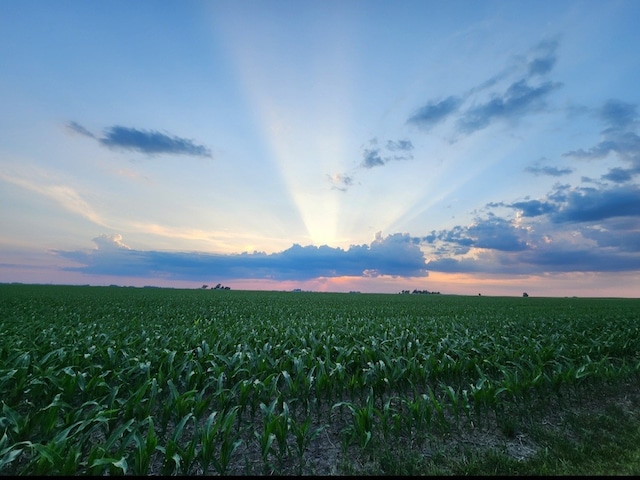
column 149, row 142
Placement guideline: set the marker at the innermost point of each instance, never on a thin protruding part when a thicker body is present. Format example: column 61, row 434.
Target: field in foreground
column 107, row 380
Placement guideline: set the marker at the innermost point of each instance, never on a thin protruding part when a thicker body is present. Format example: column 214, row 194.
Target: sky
column 460, row 147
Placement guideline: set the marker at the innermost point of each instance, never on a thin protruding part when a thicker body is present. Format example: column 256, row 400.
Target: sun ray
column 302, row 113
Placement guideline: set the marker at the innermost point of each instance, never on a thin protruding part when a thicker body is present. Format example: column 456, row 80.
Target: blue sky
column 464, row 147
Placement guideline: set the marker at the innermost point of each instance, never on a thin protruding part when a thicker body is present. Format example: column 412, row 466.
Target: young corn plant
column 217, row 430
column 419, row 417
column 361, row 430
column 304, row 435
column 265, row 441
column 145, row 449
column 280, row 427
column 178, row 459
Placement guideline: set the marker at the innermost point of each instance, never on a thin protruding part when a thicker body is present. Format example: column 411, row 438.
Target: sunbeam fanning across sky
column 462, row 147
column 298, row 83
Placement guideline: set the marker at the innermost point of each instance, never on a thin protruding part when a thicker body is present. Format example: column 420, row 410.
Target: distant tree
column 205, row 287
column 525, row 294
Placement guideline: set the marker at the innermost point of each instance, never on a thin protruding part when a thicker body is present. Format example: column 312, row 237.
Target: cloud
column 150, row 142
column 619, row 175
column 534, row 208
column 583, row 204
column 526, row 94
column 622, row 234
column 519, row 99
column 492, row 233
column 371, row 158
column 340, row 181
column 435, row 112
column 395, row 255
column 112, row 242
column 592, row 228
column 570, row 230
column 590, row 204
column 377, row 156
column 400, row 145
column 551, row 171
column 42, row 183
column 554, row 259
column 618, row 114
column 544, row 58
column 618, row 138
column 77, row 128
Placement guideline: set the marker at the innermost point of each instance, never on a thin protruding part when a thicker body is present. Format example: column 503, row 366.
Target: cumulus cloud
column 149, row 142
column 583, row 229
column 591, row 204
column 534, row 208
column 593, row 227
column 394, row 255
column 112, row 242
column 492, row 233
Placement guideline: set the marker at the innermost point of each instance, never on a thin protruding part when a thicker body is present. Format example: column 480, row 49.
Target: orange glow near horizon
column 582, row 284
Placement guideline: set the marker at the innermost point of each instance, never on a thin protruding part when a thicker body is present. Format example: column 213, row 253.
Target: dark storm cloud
column 150, row 142
column 394, row 255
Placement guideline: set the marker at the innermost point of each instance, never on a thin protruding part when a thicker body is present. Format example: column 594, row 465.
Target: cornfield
column 113, row 381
